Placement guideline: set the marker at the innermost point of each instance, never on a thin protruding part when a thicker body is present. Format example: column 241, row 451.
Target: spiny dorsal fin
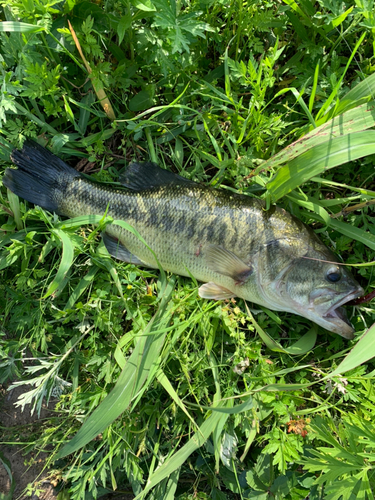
column 139, row 176
column 225, row 262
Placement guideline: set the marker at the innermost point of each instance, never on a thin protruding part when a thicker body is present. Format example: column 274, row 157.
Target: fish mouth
column 337, row 317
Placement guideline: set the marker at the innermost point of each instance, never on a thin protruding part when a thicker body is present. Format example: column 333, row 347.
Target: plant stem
column 35, row 119
column 151, row 147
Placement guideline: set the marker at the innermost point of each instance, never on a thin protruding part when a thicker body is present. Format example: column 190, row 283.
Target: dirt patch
column 32, row 482
column 27, row 469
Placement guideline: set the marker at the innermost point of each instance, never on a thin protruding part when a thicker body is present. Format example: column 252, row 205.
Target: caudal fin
column 40, row 176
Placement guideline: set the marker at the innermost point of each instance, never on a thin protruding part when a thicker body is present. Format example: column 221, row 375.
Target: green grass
column 158, row 391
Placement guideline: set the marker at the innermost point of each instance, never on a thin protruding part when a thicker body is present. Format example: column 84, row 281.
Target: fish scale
column 228, row 241
column 176, row 216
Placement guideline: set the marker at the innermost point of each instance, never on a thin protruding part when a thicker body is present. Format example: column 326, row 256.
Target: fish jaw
column 334, row 318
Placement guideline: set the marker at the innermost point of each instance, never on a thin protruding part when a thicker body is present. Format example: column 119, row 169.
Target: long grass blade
column 333, row 94
column 14, row 203
column 130, row 381
column 7, row 466
column 314, row 87
column 66, row 262
column 165, row 382
column 107, row 261
column 362, row 352
column 353, row 232
column 102, row 96
column 363, row 91
column 298, row 95
column 302, row 346
column 329, row 182
column 81, row 287
column 83, row 219
column 319, row 159
column 355, row 120
column 16, row 26
column 176, row 460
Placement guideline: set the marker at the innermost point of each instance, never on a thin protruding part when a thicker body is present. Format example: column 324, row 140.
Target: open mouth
column 337, row 314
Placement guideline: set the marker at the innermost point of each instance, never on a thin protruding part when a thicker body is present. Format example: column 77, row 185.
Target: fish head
column 319, row 290
column 309, row 281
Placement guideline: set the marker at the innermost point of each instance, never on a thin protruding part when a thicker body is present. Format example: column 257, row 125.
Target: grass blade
column 333, row 94
column 102, row 96
column 314, row 87
column 298, row 95
column 83, row 219
column 229, row 409
column 165, row 382
column 81, row 287
column 7, row 467
column 107, row 261
column 14, row 203
column 176, row 460
column 364, row 90
column 172, row 486
column 355, row 120
column 302, row 346
column 362, row 352
column 15, row 26
column 298, row 9
column 130, row 381
column 353, row 232
column 329, row 182
column 228, row 90
column 66, row 262
column 320, row 158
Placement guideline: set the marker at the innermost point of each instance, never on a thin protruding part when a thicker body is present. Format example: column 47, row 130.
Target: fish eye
column 333, row 274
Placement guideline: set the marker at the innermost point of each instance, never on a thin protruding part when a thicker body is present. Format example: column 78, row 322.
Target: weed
column 156, row 390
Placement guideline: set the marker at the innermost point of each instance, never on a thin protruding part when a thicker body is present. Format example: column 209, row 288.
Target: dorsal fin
column 139, row 176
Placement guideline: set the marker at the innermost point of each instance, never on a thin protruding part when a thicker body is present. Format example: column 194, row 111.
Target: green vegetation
column 183, row 397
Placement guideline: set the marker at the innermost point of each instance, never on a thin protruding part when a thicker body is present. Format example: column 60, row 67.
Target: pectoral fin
column 117, row 250
column 214, row 291
column 227, row 263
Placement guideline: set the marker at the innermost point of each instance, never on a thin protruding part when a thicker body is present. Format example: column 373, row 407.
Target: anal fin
column 213, row 291
column 117, row 250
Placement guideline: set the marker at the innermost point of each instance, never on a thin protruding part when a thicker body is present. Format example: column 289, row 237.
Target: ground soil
column 28, row 469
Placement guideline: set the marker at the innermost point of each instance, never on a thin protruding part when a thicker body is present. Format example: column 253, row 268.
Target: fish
column 230, row 242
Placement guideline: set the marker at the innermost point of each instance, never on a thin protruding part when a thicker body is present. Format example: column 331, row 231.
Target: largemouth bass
column 228, row 241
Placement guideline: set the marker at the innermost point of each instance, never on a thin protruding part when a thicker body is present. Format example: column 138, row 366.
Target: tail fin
column 40, row 174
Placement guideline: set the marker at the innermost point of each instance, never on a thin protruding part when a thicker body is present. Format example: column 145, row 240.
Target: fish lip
column 337, row 317
column 350, row 296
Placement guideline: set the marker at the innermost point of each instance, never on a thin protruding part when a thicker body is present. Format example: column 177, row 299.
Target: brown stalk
column 102, row 96
column 348, row 210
